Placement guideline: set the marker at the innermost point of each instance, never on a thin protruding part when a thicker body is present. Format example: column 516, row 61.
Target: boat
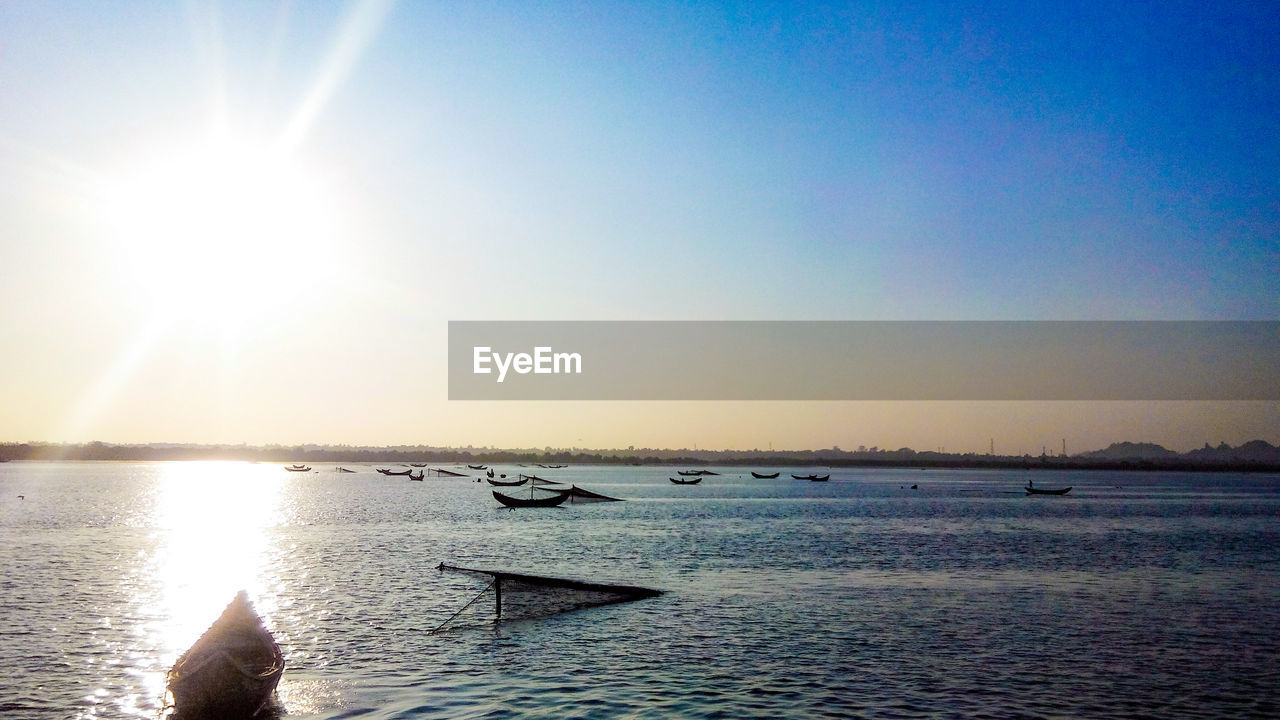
column 422, row 465
column 388, row 471
column 514, row 502
column 689, row 473
column 507, row 483
column 1046, row 491
column 342, row 470
column 763, row 476
column 298, row 468
column 478, row 467
column 419, row 477
column 694, row 481
column 231, row 671
column 444, row 473
column 815, row 478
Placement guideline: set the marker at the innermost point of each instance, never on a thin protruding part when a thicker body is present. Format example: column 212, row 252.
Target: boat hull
column 693, row 481
column 763, row 476
column 1043, row 491
column 515, row 502
column 231, row 671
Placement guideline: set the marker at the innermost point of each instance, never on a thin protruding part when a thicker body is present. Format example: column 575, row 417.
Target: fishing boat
column 298, row 468
column 1046, row 491
column 763, row 476
column 388, row 471
column 689, row 473
column 507, row 483
column 550, row 501
column 693, row 481
column 231, row 671
column 815, row 478
column 478, row 467
column 419, row 477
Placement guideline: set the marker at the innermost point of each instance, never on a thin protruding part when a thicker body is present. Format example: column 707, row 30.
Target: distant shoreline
column 1208, row 460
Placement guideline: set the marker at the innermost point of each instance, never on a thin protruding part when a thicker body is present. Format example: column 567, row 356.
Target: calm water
column 1138, row 595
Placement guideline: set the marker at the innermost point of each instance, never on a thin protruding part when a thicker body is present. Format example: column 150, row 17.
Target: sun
column 215, row 233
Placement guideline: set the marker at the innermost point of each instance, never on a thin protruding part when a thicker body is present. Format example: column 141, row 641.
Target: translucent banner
column 857, row 360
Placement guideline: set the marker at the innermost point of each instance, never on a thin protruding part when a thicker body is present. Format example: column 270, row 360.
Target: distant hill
column 1258, row 451
column 1131, row 451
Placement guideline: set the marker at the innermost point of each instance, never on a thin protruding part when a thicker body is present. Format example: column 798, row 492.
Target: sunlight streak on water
column 212, row 519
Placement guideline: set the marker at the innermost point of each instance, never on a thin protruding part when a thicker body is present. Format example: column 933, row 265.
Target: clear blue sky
column 613, row 161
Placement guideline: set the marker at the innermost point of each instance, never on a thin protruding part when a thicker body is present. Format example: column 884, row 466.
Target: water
column 1139, row 595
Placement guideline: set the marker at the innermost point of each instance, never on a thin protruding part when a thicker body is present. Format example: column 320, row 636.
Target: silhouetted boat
column 514, row 502
column 298, row 468
column 507, row 483
column 689, row 473
column 231, row 671
column 763, row 476
column 387, row 471
column 815, row 478
column 693, row 481
column 419, row 477
column 478, row 467
column 1045, row 491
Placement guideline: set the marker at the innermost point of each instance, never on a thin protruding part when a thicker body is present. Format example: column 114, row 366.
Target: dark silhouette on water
column 231, row 671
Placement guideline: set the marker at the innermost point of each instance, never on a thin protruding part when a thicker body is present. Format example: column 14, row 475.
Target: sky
column 252, row 222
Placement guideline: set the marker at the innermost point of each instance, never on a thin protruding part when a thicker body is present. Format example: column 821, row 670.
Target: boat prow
column 231, row 671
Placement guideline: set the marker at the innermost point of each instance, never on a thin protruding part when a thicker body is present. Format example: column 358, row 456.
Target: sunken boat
column 231, row 671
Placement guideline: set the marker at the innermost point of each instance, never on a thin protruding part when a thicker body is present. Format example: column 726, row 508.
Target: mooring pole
column 497, row 591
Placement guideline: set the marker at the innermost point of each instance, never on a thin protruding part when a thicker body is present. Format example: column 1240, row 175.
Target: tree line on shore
column 1256, row 455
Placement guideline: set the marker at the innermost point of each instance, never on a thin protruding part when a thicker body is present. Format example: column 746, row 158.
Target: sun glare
column 215, row 234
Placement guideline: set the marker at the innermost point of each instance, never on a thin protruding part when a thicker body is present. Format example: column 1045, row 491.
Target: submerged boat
column 549, row 501
column 763, row 476
column 231, row 671
column 693, row 481
column 579, row 495
column 530, row 596
column 815, row 478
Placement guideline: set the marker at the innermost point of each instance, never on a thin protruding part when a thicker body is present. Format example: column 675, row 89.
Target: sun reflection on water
column 213, row 519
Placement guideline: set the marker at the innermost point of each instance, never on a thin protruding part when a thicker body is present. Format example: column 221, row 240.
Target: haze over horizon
column 252, row 223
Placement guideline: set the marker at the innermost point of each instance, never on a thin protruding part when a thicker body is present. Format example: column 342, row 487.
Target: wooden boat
column 507, row 483
column 514, row 502
column 478, row 467
column 689, row 473
column 763, row 476
column 298, row 468
column 387, row 471
column 815, row 478
column 1046, row 491
column 694, row 481
column 231, row 671
column 419, row 477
